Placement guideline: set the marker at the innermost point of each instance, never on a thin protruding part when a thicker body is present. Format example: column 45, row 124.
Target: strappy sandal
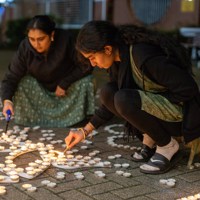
column 158, row 164
column 144, row 155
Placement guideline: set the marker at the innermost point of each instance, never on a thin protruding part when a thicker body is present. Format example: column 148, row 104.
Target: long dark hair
column 94, row 35
column 43, row 23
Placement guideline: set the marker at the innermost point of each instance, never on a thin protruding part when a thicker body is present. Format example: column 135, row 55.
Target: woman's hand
column 60, row 92
column 73, row 138
column 8, row 105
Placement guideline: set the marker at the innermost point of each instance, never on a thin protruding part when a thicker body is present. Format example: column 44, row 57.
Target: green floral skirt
column 35, row 105
column 160, row 107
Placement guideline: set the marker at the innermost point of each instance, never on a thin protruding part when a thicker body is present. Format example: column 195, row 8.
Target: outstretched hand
column 8, row 106
column 73, row 138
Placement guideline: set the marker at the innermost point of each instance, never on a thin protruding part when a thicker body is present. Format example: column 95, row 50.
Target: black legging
column 126, row 103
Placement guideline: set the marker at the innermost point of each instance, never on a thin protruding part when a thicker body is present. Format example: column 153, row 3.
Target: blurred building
column 164, row 14
column 159, row 14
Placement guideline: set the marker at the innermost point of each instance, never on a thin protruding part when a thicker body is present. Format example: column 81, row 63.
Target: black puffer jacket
column 58, row 67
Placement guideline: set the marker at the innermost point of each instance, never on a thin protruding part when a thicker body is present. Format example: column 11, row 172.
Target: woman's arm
column 76, row 74
column 16, row 70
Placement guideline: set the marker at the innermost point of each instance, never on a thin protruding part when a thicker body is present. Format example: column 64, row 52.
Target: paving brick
column 69, row 185
column 141, row 198
column 36, row 182
column 188, row 187
column 75, row 195
column 93, row 179
column 133, row 191
column 43, row 194
column 125, row 182
column 101, row 188
column 15, row 194
column 106, row 196
column 170, row 193
column 191, row 176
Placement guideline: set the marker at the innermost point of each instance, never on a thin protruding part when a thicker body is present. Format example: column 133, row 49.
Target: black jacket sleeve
column 74, row 75
column 180, row 84
column 78, row 69
column 16, row 70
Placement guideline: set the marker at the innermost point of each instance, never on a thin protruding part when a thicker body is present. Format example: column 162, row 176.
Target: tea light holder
column 2, row 148
column 14, row 177
column 9, row 157
column 118, row 156
column 45, row 182
column 32, row 189
column 8, row 161
column 107, row 163
column 38, row 170
column 26, row 186
column 2, row 178
column 33, row 164
column 29, row 169
column 125, row 165
column 12, row 165
column 2, row 165
column 2, row 192
column 117, row 165
column 119, row 172
column 51, row 185
column 38, row 162
column 19, row 170
column 97, row 160
column 87, row 158
column 127, row 174
column 7, row 169
column 79, row 157
column 12, row 173
column 60, row 177
column 31, row 173
column 80, row 177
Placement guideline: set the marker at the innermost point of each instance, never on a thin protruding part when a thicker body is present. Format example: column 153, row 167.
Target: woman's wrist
column 89, row 128
column 7, row 101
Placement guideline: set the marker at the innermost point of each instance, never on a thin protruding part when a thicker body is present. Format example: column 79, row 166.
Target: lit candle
column 2, row 192
column 29, row 168
column 2, row 177
column 38, row 161
column 2, row 148
column 2, row 165
column 32, row 189
column 6, row 169
column 26, row 186
column 8, row 161
column 33, row 164
column 14, row 177
column 19, row 170
column 32, row 173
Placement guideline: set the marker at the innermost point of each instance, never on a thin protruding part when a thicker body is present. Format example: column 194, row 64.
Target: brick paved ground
column 114, row 187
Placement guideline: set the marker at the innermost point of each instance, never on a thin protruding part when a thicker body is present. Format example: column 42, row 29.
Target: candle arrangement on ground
column 18, row 144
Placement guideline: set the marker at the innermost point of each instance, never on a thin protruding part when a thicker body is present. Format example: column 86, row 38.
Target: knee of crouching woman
column 107, row 94
column 120, row 102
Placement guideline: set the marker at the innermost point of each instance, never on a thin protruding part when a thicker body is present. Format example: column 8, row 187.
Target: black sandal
column 146, row 153
column 162, row 163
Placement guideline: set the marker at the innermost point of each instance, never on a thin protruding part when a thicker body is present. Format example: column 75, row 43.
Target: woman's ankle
column 168, row 150
column 148, row 141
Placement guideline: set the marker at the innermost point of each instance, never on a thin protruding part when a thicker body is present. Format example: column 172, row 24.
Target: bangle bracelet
column 85, row 133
